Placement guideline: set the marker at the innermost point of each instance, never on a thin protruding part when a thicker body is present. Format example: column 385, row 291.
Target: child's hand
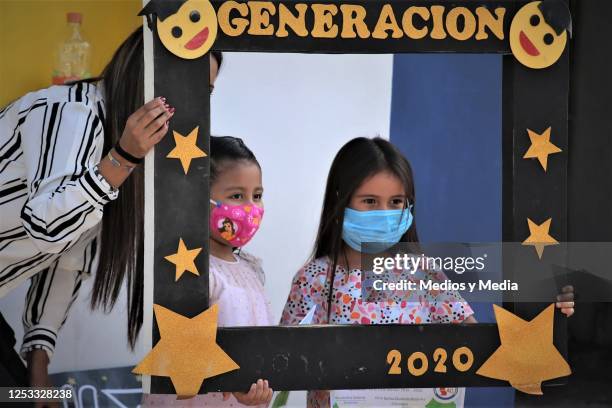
column 565, row 300
column 259, row 393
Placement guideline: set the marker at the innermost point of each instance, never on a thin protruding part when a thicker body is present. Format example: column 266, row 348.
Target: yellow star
column 539, row 236
column 527, row 355
column 187, row 351
column 540, row 147
column 186, row 149
column 184, row 259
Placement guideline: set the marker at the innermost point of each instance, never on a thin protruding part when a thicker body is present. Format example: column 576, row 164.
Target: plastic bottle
column 72, row 61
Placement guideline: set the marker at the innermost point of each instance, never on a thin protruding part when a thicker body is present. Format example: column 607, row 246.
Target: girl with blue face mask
column 369, row 198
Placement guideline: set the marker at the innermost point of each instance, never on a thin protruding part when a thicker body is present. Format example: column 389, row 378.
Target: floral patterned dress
column 310, row 288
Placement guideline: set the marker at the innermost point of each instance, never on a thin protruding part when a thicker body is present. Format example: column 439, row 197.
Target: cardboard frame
column 355, row 357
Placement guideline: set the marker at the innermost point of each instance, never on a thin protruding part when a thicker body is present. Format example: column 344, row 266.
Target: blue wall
column 446, row 118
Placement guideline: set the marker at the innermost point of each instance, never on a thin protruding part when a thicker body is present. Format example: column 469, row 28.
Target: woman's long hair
column 122, row 236
column 356, row 161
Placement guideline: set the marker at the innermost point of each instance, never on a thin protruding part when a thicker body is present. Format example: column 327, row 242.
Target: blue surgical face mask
column 382, row 228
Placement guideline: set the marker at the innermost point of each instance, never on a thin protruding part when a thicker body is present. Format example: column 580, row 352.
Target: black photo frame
column 354, row 357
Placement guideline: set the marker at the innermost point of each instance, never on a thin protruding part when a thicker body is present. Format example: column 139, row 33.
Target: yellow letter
column 324, row 26
column 437, row 32
column 469, row 28
column 237, row 25
column 297, row 23
column 485, row 19
column 387, row 21
column 408, row 22
column 260, row 17
column 353, row 17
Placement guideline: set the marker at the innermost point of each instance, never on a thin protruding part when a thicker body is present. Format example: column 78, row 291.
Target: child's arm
column 470, row 320
column 565, row 300
column 308, row 289
column 260, row 393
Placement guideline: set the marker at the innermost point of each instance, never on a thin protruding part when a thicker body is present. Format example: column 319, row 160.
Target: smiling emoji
column 186, row 28
column 538, row 33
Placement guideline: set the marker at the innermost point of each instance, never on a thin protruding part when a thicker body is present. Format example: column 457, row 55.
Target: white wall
column 294, row 111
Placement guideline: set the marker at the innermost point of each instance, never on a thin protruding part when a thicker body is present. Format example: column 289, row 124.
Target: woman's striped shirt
column 51, row 201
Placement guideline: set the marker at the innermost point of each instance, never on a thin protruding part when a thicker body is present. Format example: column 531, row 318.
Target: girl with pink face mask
column 236, row 277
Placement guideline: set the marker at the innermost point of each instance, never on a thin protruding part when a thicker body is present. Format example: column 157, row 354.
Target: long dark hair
column 121, row 250
column 122, row 238
column 356, row 161
column 227, row 150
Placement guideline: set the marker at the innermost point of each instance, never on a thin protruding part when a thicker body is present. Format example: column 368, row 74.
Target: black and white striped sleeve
column 62, row 144
column 49, row 299
column 50, row 296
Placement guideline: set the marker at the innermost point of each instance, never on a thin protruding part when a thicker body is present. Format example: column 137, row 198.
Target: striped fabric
column 51, row 202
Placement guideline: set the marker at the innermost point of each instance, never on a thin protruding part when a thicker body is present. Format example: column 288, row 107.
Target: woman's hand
column 38, row 361
column 565, row 300
column 143, row 130
column 146, row 127
column 259, row 393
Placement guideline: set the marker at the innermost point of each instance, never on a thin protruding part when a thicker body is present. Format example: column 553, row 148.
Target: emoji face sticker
column 538, row 33
column 186, row 28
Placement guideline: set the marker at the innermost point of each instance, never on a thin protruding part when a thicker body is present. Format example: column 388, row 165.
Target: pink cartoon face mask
column 235, row 223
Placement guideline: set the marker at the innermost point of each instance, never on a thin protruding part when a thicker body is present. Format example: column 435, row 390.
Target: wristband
column 126, row 155
column 117, row 163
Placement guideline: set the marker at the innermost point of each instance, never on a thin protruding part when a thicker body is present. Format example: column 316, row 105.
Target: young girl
column 369, row 198
column 236, row 277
